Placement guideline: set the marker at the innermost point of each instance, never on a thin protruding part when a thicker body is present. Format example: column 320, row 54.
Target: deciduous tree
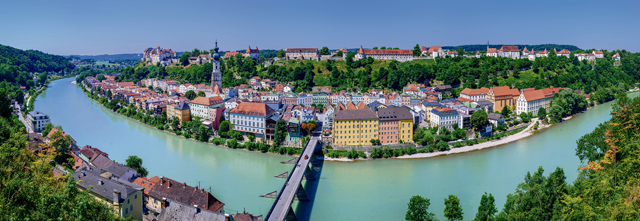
column 135, row 162
column 417, row 209
column 452, row 210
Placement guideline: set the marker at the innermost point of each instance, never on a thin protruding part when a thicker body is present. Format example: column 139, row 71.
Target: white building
column 37, row 120
column 564, row 52
column 385, row 54
column 199, row 107
column 164, row 56
column 435, row 51
column 598, row 54
column 475, row 94
column 530, row 101
column 509, row 52
column 444, row 117
column 302, row 53
column 253, row 53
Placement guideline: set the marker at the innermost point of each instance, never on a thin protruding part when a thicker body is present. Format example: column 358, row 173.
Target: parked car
column 306, row 156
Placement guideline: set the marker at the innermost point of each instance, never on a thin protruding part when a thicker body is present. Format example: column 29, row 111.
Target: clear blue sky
column 90, row 27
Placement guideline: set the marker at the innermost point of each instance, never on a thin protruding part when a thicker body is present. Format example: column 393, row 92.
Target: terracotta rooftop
column 250, row 108
column 509, row 48
column 433, row 48
column 469, row 91
column 492, row 50
column 181, row 192
column 207, row 101
column 230, row 54
column 388, row 51
column 564, row 51
column 505, row 91
column 302, row 50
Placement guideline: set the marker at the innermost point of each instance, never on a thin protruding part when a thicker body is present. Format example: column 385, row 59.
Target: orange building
column 503, row 96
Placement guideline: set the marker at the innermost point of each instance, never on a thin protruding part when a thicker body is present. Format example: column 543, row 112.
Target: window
column 131, row 208
column 128, row 201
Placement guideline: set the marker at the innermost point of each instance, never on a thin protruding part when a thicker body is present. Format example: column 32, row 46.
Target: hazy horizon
column 123, row 27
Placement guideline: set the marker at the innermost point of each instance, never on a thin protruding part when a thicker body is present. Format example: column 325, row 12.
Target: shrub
column 442, row 146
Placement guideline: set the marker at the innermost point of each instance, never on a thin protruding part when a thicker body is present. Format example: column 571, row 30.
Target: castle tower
column 216, row 75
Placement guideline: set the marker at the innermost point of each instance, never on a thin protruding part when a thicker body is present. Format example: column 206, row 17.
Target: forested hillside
column 15, row 65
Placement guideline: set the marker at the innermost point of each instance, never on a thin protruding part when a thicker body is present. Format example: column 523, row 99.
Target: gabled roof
column 102, row 162
column 91, row 152
column 433, row 48
column 301, row 50
column 250, row 108
column 181, row 192
column 207, row 101
column 365, row 113
column 182, row 106
column 509, row 48
column 86, row 177
column 564, row 51
column 394, row 113
column 175, row 210
column 505, row 91
column 469, row 91
column 492, row 50
column 388, row 51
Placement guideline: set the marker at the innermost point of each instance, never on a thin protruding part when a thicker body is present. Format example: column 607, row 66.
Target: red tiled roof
column 388, row 51
column 146, row 183
column 469, row 91
column 433, row 48
column 492, row 50
column 207, row 100
column 564, row 51
column 505, row 91
column 250, row 108
column 443, row 109
column 597, row 52
column 452, row 52
column 525, row 50
column 230, row 54
column 423, row 48
column 509, row 48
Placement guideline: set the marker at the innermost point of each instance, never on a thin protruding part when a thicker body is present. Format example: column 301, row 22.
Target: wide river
column 365, row 190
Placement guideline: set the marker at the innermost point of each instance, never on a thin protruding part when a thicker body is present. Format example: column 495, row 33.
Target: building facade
column 475, row 94
column 302, row 53
column 249, row 117
column 181, row 110
column 530, row 101
column 503, row 97
column 395, row 125
column 385, row 54
column 37, row 121
column 444, row 117
column 355, row 127
column 200, row 106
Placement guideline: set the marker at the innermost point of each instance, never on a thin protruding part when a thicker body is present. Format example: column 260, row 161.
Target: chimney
column 100, row 182
column 164, row 202
column 116, row 196
column 196, row 208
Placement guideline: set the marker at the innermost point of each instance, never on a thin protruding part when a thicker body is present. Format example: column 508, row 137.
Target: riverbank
column 240, row 145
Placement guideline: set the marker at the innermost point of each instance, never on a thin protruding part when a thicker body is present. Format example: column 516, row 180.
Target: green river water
column 365, row 190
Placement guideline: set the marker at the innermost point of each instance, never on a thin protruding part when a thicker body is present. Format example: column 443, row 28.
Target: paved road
column 24, row 121
column 284, row 200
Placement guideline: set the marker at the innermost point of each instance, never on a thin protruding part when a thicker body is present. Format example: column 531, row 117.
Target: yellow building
column 355, row 127
column 181, row 111
column 396, row 124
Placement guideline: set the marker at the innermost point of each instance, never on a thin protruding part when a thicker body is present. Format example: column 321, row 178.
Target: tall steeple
column 216, row 75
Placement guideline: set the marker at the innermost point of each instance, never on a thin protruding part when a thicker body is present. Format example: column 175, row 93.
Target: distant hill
column 33, row 61
column 109, row 57
column 529, row 47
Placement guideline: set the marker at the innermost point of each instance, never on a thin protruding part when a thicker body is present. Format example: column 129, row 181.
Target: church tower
column 216, row 75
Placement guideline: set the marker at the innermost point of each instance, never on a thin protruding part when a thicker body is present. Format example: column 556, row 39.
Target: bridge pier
column 291, row 216
column 301, row 194
column 308, row 174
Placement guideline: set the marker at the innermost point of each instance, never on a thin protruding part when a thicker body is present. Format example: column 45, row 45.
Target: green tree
column 479, row 119
column 224, row 128
column 487, row 208
column 281, row 53
column 442, row 145
column 175, row 123
column 505, row 111
column 542, row 113
column 417, row 209
column 339, row 54
column 460, row 51
column 324, row 51
column 47, row 129
column 251, row 137
column 62, row 144
column 452, row 210
column 42, row 78
column 135, row 162
column 203, row 133
column 201, row 94
column 190, row 95
column 280, row 133
column 416, row 50
column 99, row 77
